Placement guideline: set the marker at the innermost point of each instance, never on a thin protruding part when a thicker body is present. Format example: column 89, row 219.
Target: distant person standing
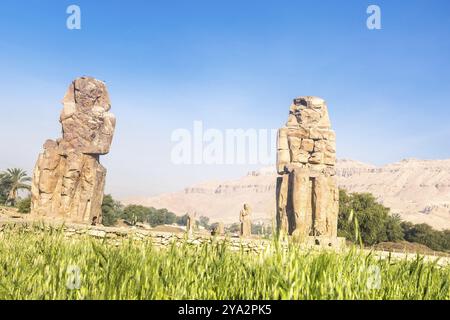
column 245, row 219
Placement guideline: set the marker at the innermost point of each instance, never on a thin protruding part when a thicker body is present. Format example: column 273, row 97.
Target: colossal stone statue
column 245, row 219
column 68, row 179
column 307, row 194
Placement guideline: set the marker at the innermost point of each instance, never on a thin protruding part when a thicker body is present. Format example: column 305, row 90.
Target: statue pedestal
column 324, row 242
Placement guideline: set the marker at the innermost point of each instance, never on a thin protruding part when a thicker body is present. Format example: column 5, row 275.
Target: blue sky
column 230, row 64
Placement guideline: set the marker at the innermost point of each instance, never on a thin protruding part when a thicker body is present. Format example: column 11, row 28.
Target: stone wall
column 165, row 239
column 116, row 236
column 159, row 239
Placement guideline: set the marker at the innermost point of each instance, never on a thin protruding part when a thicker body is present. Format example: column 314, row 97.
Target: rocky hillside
column 418, row 190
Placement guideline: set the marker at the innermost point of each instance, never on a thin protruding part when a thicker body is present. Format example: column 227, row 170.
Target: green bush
column 234, row 228
column 426, row 235
column 204, row 222
column 170, row 217
column 181, row 220
column 155, row 217
column 112, row 210
column 394, row 230
column 24, row 205
column 262, row 230
column 375, row 224
column 135, row 213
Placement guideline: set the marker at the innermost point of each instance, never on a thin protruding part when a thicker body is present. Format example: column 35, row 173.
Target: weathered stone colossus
column 68, row 179
column 246, row 222
column 307, row 194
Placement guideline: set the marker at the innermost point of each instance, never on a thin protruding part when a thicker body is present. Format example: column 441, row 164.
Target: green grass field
column 45, row 265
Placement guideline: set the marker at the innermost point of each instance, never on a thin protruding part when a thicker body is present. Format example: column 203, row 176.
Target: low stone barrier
column 159, row 239
column 116, row 236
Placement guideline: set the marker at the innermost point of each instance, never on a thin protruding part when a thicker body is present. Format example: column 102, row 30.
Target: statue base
column 322, row 242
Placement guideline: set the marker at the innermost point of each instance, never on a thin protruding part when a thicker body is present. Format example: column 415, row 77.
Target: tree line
column 362, row 218
column 113, row 211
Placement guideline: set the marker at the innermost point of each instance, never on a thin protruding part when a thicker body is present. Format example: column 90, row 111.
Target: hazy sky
column 230, row 64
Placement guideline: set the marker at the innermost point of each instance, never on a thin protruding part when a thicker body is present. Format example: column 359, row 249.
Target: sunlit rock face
column 68, row 179
column 307, row 193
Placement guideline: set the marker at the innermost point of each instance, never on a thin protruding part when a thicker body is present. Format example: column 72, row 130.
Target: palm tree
column 15, row 179
column 4, row 187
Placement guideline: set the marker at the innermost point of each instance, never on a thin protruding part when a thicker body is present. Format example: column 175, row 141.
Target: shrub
column 181, row 220
column 204, row 222
column 112, row 210
column 155, row 217
column 377, row 225
column 426, row 235
column 24, row 205
column 135, row 213
column 234, row 228
column 374, row 221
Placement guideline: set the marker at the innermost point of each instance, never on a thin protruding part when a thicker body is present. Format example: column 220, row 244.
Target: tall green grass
column 37, row 265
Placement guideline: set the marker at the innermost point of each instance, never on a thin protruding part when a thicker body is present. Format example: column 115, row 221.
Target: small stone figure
column 190, row 224
column 218, row 230
column 245, row 219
